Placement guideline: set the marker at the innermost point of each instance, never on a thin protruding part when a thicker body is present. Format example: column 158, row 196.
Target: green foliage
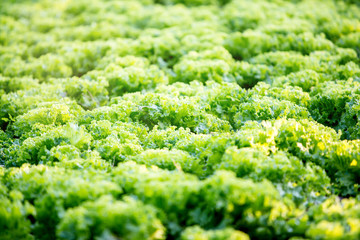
column 305, row 79
column 267, row 108
column 179, row 119
column 289, row 93
column 247, row 75
column 129, row 79
column 37, row 149
column 196, row 233
column 45, row 66
column 115, row 143
column 193, row 3
column 13, row 215
column 335, row 105
column 19, row 102
column 164, row 111
column 293, row 179
column 343, row 164
column 107, row 218
column 334, row 219
column 173, row 159
column 53, row 190
column 82, row 57
column 88, row 94
column 227, row 200
column 203, row 66
column 171, row 192
column 51, row 113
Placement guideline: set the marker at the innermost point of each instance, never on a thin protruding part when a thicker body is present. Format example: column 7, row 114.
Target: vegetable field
column 179, row 119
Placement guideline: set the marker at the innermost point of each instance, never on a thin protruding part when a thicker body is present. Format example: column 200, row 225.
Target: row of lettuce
column 39, row 112
column 311, row 82
column 54, row 202
column 64, row 39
